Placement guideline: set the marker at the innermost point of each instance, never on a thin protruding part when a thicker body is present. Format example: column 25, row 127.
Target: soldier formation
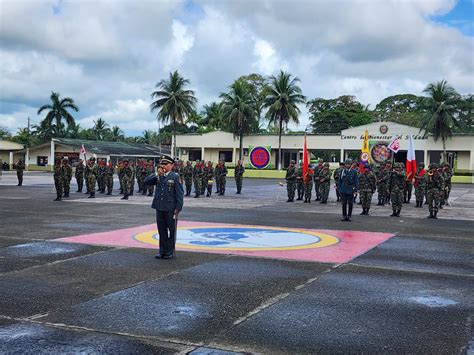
column 389, row 180
column 99, row 177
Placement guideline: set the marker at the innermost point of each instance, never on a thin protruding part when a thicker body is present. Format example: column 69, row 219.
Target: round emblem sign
column 260, row 157
column 380, row 153
column 383, row 129
column 244, row 238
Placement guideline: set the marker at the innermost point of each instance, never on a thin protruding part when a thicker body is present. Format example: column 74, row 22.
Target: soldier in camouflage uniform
column 188, row 177
column 127, row 176
column 367, row 186
column 132, row 180
column 120, row 175
column 337, row 175
column 20, row 166
column 109, row 177
column 217, row 177
column 91, row 173
column 149, row 169
column 197, row 177
column 324, row 183
column 434, row 190
column 382, row 178
column 443, row 187
column 139, row 172
column 239, row 176
column 180, row 171
column 317, row 170
column 397, row 182
column 79, row 175
column 408, row 189
column 101, row 177
column 447, row 175
column 299, row 182
column 209, row 176
column 308, row 185
column 204, row 178
column 67, row 177
column 58, row 179
column 222, row 172
column 420, row 185
column 291, row 181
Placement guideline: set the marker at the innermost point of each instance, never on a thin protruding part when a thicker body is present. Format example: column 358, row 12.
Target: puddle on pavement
column 433, row 301
column 17, row 331
column 41, row 249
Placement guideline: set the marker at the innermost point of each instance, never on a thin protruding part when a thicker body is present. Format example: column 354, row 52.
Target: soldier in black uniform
column 168, row 203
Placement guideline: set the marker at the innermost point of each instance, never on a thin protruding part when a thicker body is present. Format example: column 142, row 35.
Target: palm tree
column 173, row 102
column 53, row 122
column 101, row 129
column 73, row 131
column 238, row 109
column 282, row 99
column 441, row 107
column 116, row 134
column 214, row 116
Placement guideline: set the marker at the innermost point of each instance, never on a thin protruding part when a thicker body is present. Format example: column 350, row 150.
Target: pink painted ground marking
column 351, row 243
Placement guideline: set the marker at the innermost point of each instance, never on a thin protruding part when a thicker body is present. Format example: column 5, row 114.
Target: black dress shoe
column 158, row 256
column 344, row 219
column 168, row 256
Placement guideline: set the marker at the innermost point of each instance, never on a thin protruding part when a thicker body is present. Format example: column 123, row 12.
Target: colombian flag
column 365, row 152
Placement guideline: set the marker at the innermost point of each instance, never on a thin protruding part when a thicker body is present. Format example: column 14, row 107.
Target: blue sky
column 108, row 56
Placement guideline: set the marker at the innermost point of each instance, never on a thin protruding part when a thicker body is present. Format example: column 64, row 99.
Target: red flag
column 411, row 160
column 305, row 161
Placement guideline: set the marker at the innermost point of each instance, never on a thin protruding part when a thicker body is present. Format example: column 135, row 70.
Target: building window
column 225, row 155
column 195, row 154
column 42, row 160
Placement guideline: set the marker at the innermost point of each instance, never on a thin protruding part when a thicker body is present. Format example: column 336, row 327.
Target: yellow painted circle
column 325, row 240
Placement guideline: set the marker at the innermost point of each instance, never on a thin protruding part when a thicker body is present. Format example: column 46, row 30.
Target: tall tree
column 4, row 133
column 214, row 117
column 405, row 109
column 441, row 108
column 173, row 102
column 282, row 101
column 238, row 110
column 101, row 129
column 57, row 114
column 259, row 86
column 116, row 134
column 334, row 115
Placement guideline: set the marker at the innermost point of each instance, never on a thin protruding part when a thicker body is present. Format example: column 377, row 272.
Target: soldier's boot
column 305, row 200
column 398, row 212
column 363, row 212
column 58, row 197
column 92, row 195
column 435, row 215
column 131, row 193
column 394, row 213
column 367, row 211
column 125, row 197
column 408, row 198
column 196, row 195
column 102, row 191
column 66, row 194
column 109, row 193
column 431, row 215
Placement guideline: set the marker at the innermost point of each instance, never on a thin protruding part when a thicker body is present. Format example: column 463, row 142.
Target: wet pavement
column 409, row 294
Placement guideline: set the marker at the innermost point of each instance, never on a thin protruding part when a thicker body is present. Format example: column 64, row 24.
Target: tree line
column 259, row 104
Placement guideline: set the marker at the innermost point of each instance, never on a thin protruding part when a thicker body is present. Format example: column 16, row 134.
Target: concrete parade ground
column 253, row 274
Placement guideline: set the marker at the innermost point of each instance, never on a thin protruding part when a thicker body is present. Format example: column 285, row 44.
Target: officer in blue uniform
column 168, row 202
column 348, row 186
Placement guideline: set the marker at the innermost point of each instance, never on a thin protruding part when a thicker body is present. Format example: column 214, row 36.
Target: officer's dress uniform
column 168, row 198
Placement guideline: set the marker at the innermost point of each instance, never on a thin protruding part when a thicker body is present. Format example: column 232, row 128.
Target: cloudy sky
column 109, row 54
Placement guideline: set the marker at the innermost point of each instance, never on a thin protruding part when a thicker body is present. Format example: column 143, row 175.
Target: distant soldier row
column 390, row 181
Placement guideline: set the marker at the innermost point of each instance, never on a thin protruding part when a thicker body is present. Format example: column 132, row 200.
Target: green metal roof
column 114, row 148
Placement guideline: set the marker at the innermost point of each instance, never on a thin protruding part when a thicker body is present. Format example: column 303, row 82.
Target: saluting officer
column 168, row 203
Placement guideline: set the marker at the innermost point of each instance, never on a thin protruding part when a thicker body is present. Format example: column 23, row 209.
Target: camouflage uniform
column 91, row 172
column 447, row 175
column 317, row 170
column 20, row 166
column 208, row 178
column 239, row 176
column 197, row 177
column 299, row 183
column 127, row 176
column 397, row 182
column 367, row 185
column 79, row 175
column 382, row 177
column 204, row 178
column 67, row 179
column 308, row 186
column 101, row 177
column 420, row 186
column 58, row 180
column 139, row 172
column 222, row 171
column 291, row 181
column 443, row 188
column 132, row 179
column 120, row 176
column 324, row 183
column 337, row 175
column 188, row 178
column 408, row 190
column 434, row 190
column 109, row 178
column 149, row 169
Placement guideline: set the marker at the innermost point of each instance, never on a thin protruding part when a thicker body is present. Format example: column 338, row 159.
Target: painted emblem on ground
column 329, row 246
column 244, row 238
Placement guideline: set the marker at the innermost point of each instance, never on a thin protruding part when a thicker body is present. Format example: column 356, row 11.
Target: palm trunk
column 174, row 139
column 445, row 155
column 241, row 144
column 279, row 144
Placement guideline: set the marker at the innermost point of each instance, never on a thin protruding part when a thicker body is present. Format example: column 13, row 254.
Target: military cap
column 326, row 164
column 348, row 161
column 125, row 161
column 292, row 162
column 166, row 159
